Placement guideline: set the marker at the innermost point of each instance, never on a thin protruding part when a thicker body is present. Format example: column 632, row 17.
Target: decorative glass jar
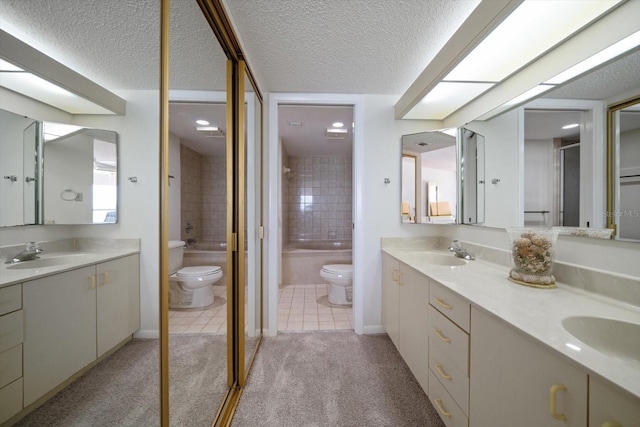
column 532, row 254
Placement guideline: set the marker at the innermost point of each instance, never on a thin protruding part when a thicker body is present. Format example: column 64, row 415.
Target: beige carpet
column 123, row 390
column 332, row 379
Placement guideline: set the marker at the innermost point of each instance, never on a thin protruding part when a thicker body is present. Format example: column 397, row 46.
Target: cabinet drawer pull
column 443, row 304
column 92, row 282
column 441, row 372
column 613, row 423
column 442, row 337
column 438, row 403
column 105, row 277
column 552, row 401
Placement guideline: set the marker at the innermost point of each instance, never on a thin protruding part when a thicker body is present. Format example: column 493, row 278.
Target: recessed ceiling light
column 295, row 123
column 571, row 126
column 337, row 124
column 202, row 122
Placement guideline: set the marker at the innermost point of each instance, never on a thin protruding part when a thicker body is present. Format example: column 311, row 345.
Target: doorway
column 337, row 231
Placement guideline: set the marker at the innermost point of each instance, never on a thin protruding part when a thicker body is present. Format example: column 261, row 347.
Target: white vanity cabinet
column 449, row 355
column 517, row 381
column 611, row 407
column 405, row 298
column 118, row 301
column 72, row 318
column 11, row 337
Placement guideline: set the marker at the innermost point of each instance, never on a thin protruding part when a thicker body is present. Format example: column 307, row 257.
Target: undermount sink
column 438, row 259
column 612, row 337
column 48, row 262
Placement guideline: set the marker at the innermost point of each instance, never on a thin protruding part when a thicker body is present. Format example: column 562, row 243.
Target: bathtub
column 207, row 253
column 303, row 260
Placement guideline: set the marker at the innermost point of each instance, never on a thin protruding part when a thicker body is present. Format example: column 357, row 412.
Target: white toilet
column 189, row 287
column 340, row 278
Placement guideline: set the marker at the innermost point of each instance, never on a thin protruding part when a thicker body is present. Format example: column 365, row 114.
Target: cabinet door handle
column 92, row 282
column 105, row 277
column 442, row 337
column 552, row 401
column 441, row 372
column 438, row 403
column 443, row 304
column 612, row 423
column 394, row 275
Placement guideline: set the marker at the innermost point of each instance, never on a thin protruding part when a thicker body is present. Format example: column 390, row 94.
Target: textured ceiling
column 309, row 137
column 343, row 46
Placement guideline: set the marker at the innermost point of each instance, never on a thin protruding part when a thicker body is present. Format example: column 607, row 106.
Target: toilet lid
column 202, row 270
column 343, row 269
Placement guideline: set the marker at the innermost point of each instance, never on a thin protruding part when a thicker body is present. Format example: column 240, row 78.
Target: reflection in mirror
column 552, row 167
column 408, row 205
column 435, row 181
column 80, row 184
column 624, row 176
column 19, row 150
column 471, row 177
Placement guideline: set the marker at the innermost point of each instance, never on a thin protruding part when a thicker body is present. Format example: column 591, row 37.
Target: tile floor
column 211, row 320
column 306, row 308
column 300, row 308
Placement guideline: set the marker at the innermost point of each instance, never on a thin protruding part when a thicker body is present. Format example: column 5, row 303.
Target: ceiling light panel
column 531, row 30
column 446, row 98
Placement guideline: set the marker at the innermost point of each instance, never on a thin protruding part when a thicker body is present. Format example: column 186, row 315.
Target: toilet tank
column 176, row 253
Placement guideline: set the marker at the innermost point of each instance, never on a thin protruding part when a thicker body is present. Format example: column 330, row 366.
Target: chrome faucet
column 27, row 254
column 459, row 251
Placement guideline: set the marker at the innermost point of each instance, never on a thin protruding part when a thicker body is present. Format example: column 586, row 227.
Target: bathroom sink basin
column 50, row 261
column 438, row 259
column 612, row 337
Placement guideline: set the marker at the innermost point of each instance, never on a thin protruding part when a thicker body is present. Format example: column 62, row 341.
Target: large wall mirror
column 56, row 173
column 623, row 170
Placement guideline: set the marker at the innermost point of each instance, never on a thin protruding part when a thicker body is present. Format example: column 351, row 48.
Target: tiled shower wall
column 318, row 205
column 203, row 196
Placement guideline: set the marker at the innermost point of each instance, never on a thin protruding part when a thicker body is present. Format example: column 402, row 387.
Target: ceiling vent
column 210, row 131
column 336, row 133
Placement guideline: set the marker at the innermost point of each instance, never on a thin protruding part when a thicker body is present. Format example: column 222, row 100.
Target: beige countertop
column 535, row 312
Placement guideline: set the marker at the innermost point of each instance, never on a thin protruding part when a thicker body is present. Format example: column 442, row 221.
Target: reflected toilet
column 190, row 287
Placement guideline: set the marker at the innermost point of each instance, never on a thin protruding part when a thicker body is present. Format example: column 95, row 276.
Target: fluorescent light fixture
column 336, row 133
column 18, row 80
column 207, row 128
column 53, row 130
column 599, row 58
column 202, row 122
column 451, row 131
column 446, row 98
column 531, row 93
column 528, row 32
column 337, row 124
column 571, row 126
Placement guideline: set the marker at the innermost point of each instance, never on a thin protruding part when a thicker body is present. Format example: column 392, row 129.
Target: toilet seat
column 341, row 270
column 198, row 271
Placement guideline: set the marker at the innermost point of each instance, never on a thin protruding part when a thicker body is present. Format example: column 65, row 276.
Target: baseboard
column 373, row 329
column 147, row 334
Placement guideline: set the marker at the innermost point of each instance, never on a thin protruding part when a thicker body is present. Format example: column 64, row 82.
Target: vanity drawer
column 451, row 377
column 450, row 304
column 10, row 299
column 445, row 406
column 10, row 365
column 10, row 400
column 451, row 341
column 11, row 330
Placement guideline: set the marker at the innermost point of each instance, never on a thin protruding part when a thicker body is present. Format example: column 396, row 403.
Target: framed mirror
column 471, row 176
column 623, row 170
column 429, row 178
